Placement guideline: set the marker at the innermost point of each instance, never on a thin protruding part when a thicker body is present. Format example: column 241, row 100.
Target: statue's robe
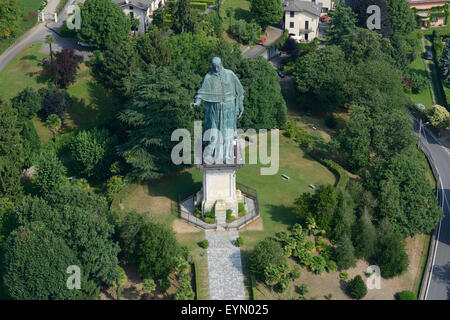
column 223, row 95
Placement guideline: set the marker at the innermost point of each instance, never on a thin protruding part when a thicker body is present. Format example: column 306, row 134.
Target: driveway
column 38, row 34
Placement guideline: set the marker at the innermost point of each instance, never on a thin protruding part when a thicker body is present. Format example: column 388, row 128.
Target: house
column 301, row 18
column 432, row 12
column 141, row 10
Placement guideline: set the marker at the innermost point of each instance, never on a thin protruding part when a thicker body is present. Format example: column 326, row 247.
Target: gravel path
column 226, row 278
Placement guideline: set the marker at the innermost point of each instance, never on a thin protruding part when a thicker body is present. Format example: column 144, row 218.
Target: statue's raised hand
column 196, row 103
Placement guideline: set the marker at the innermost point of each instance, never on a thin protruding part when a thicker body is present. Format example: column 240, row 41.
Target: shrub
column 303, row 289
column 210, row 220
column 295, row 273
column 246, row 32
column 419, row 82
column 241, row 209
column 343, row 276
column 357, row 288
column 164, row 284
column 230, row 217
column 204, row 244
column 406, row 295
column 113, row 186
column 239, row 242
column 148, row 285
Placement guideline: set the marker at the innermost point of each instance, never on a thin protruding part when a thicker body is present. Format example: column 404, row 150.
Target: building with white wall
column 141, row 10
column 301, row 18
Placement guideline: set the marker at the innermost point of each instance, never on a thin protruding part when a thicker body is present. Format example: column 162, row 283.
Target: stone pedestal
column 219, row 189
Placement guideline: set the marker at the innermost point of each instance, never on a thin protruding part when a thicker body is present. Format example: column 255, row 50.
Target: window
column 292, row 14
column 324, row 10
column 131, row 7
column 291, row 24
column 306, row 25
column 306, row 36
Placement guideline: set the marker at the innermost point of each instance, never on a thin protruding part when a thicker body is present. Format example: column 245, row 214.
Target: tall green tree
column 157, row 251
column 153, row 49
column 320, row 78
column 342, row 21
column 264, row 104
column 10, row 146
column 103, row 24
column 118, row 65
column 402, row 16
column 266, row 12
column 345, row 253
column 51, row 173
column 355, row 139
column 27, row 103
column 266, row 253
column 364, row 237
column 160, row 104
column 35, row 263
column 93, row 152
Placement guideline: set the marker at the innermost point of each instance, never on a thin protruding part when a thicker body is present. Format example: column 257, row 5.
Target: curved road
column 438, row 287
column 38, row 34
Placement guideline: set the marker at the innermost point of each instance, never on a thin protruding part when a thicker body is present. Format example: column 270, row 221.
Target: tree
column 159, row 105
column 35, row 263
column 51, row 173
column 9, row 17
column 246, row 32
column 364, row 237
column 445, row 62
column 264, row 104
column 103, row 24
column 53, row 123
column 344, row 216
column 64, row 68
column 439, row 117
column 55, row 101
column 391, row 256
column 31, row 144
column 402, row 17
column 355, row 139
column 356, row 288
column 345, row 253
column 153, row 49
column 158, row 17
column 118, row 65
column 320, row 78
column 157, row 251
column 267, row 252
column 49, row 39
column 93, row 153
column 183, row 16
column 129, row 229
column 82, row 219
column 266, row 12
column 10, row 162
column 342, row 21
column 272, row 275
column 27, row 103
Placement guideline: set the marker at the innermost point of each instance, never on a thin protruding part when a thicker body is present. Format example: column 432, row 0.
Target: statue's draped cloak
column 223, row 95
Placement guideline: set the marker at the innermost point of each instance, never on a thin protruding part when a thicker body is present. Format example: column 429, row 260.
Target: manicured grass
column 27, row 21
column 423, row 97
column 275, row 194
column 22, row 71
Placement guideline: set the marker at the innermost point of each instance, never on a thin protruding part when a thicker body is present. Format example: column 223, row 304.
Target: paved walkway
column 226, row 278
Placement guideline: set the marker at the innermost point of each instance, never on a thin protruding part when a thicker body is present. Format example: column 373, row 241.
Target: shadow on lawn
column 281, row 213
column 173, row 186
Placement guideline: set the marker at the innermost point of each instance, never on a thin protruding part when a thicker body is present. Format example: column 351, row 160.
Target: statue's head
column 216, row 64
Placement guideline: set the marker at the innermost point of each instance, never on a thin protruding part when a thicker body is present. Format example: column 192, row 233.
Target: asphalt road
column 439, row 285
column 38, row 34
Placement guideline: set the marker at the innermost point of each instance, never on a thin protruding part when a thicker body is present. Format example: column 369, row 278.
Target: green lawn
column 92, row 104
column 27, row 21
column 423, row 97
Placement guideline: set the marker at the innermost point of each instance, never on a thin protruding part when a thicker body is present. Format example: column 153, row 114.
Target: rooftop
column 302, row 6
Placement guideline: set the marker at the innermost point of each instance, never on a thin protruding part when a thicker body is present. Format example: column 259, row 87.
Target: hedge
column 342, row 175
column 199, row 5
column 197, row 281
column 253, row 287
